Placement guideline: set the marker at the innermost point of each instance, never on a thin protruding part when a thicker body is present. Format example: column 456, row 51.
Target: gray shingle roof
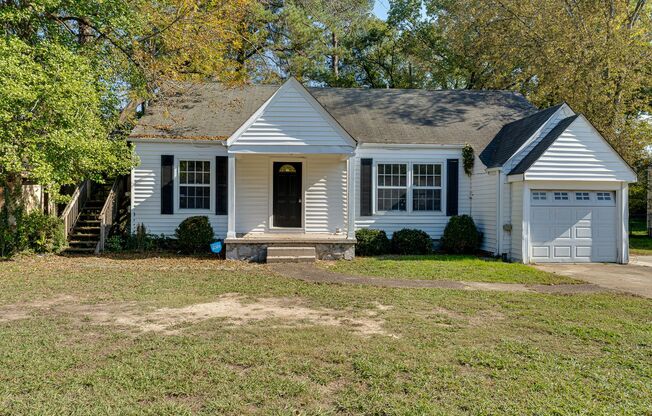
column 201, row 111
column 512, row 136
column 542, row 146
column 210, row 110
column 422, row 116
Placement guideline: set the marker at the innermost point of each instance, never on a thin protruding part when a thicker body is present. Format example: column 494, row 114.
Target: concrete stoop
column 291, row 254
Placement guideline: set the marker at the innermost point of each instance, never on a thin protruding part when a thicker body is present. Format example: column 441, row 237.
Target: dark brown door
column 287, row 194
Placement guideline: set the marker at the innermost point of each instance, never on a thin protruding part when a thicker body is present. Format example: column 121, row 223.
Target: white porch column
column 231, row 208
column 350, row 198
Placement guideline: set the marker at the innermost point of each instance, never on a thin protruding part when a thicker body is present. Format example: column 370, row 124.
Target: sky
column 380, row 8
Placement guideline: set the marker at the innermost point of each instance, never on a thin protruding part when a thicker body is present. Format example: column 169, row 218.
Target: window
column 539, row 196
column 582, row 196
column 561, row 196
column 195, row 184
column 426, row 187
column 604, row 196
column 392, row 187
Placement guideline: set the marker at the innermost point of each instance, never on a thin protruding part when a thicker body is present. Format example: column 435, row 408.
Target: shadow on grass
column 435, row 257
column 135, row 255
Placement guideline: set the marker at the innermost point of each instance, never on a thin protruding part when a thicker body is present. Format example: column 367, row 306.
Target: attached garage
column 573, row 226
column 565, row 197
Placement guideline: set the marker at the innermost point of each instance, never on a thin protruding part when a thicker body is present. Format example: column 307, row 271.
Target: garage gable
column 291, row 121
column 574, row 150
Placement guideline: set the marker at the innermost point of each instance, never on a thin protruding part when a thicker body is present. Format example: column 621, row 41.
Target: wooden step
column 82, row 243
column 291, row 254
column 76, row 250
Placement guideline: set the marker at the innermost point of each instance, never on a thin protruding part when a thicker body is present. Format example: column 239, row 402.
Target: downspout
column 499, row 214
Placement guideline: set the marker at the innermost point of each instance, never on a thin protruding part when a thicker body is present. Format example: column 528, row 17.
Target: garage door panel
column 563, row 217
column 562, row 252
column 540, row 215
column 583, row 252
column 561, row 232
column 583, row 232
column 573, row 230
column 542, row 252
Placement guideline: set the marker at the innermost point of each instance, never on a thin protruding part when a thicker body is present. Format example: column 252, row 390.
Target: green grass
column 639, row 242
column 446, row 267
column 454, row 352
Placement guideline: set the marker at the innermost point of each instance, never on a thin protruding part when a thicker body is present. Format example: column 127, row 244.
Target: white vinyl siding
column 432, row 222
column 579, row 153
column 291, row 119
column 516, row 191
column 252, row 193
column 324, row 193
column 562, row 113
column 484, row 191
column 146, row 186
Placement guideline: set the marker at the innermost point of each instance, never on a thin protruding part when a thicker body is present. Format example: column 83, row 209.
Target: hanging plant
column 468, row 159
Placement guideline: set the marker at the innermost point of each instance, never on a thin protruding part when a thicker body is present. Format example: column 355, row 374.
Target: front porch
column 295, row 201
column 253, row 246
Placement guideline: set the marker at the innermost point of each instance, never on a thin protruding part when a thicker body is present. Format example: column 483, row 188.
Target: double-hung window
column 195, row 184
column 426, row 187
column 392, row 187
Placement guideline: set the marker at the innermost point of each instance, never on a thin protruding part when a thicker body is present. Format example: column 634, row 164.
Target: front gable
column 291, row 121
column 575, row 151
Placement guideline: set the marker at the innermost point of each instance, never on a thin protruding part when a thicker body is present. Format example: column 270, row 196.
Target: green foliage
column 114, row 244
column 411, row 241
column 141, row 242
column 593, row 55
column 461, row 236
column 195, row 234
column 44, row 233
column 371, row 242
column 51, row 126
column 32, row 231
column 468, row 159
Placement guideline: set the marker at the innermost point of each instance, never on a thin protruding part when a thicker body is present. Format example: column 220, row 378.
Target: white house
column 275, row 167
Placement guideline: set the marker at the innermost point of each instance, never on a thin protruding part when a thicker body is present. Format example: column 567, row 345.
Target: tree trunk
column 336, row 58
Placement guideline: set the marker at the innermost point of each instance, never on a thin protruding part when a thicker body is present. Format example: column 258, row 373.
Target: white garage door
column 573, row 226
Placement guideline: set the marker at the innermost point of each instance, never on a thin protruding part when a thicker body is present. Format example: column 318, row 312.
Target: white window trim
column 178, row 185
column 409, row 210
column 434, row 187
column 406, row 187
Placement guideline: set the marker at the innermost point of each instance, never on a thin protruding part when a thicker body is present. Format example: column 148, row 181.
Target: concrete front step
column 290, row 259
column 291, row 254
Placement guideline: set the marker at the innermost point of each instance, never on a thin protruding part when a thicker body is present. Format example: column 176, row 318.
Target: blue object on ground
column 216, row 247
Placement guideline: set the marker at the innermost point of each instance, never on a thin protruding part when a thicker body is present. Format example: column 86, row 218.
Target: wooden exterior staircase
column 92, row 214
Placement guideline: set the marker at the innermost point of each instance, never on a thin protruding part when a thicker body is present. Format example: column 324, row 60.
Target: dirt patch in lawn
column 236, row 310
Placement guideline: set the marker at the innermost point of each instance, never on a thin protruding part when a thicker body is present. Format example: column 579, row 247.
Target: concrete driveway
column 635, row 278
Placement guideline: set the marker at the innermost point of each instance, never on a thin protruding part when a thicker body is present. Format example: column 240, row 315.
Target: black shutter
column 365, row 187
column 221, row 185
column 167, row 184
column 452, row 186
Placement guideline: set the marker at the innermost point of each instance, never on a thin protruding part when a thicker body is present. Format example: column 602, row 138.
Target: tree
column 73, row 71
column 595, row 55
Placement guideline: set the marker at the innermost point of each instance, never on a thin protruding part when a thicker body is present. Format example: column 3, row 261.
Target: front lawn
column 639, row 242
column 446, row 267
column 200, row 336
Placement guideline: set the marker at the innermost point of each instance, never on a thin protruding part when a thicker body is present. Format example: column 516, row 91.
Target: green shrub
column 195, row 234
column 461, row 236
column 44, row 233
column 410, row 241
column 114, row 244
column 371, row 242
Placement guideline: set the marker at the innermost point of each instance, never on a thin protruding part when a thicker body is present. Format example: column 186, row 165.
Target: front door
column 287, row 194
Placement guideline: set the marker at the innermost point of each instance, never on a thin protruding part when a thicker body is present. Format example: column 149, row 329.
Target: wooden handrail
column 71, row 212
column 109, row 213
